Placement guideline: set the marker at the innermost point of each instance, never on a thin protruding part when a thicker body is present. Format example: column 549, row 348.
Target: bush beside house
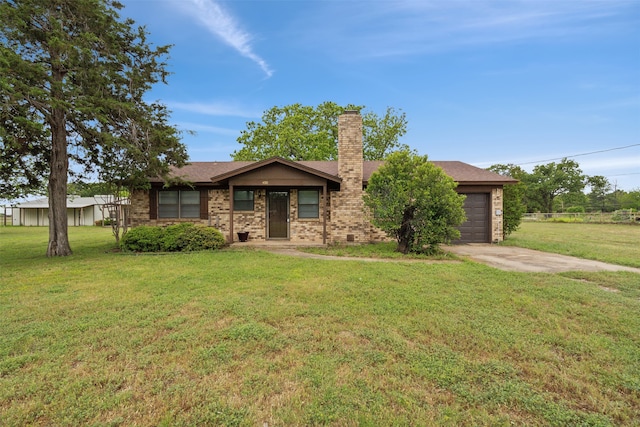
column 174, row 238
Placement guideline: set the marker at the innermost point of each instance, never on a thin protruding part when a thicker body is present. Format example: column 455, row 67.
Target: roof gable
column 295, row 169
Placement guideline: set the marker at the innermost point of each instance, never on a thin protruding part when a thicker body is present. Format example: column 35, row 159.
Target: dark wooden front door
column 278, row 221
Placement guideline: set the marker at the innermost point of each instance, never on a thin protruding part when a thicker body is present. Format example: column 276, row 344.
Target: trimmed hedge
column 174, row 238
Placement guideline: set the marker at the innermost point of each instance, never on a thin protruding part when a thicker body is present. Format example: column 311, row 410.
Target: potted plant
column 243, row 236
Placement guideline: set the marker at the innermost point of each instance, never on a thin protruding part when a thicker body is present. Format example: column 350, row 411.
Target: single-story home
column 304, row 201
column 81, row 211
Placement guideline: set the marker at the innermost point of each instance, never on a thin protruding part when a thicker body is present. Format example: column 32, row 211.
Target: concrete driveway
column 511, row 258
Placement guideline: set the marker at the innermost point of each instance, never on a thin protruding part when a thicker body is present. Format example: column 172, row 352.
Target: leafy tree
column 600, row 187
column 298, row 132
column 630, row 199
column 548, row 181
column 133, row 152
column 415, row 201
column 87, row 189
column 72, row 80
column 564, row 202
column 513, row 197
column 381, row 134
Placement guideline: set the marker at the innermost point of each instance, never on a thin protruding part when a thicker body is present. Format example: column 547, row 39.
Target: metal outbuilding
column 81, row 211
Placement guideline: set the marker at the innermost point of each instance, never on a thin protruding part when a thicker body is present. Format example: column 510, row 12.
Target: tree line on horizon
column 563, row 187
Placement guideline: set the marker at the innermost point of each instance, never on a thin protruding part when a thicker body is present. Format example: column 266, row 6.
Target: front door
column 278, row 214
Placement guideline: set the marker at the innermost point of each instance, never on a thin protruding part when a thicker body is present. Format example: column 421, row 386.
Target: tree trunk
column 58, row 233
column 406, row 233
column 59, row 165
column 548, row 202
column 115, row 223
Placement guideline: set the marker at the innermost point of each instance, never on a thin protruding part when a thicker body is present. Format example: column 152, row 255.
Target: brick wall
column 252, row 221
column 139, row 211
column 219, row 210
column 303, row 230
column 496, row 220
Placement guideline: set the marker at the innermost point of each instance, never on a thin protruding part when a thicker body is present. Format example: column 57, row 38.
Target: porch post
column 230, row 213
column 324, row 213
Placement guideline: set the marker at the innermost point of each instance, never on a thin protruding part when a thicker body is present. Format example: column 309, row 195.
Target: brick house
column 304, row 201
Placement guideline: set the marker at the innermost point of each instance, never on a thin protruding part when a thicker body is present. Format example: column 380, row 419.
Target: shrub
column 143, row 239
column 200, row 238
column 624, row 215
column 575, row 209
column 566, row 219
column 171, row 237
column 174, row 238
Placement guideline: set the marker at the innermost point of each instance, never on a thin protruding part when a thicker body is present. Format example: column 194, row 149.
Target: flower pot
column 243, row 236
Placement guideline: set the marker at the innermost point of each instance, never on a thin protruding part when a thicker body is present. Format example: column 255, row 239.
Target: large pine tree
column 72, row 79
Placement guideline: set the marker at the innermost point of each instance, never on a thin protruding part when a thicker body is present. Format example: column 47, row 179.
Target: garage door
column 476, row 228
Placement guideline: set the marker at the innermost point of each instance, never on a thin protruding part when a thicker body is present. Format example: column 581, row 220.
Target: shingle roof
column 462, row 173
column 201, row 172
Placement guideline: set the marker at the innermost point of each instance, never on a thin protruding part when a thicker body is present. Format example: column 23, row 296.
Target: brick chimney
column 348, row 210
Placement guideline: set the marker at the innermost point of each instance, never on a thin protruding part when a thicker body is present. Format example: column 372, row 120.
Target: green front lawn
column 613, row 243
column 247, row 337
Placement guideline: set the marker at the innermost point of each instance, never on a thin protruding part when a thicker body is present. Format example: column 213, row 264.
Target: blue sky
column 483, row 82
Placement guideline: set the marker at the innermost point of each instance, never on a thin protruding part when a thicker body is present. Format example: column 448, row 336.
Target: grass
column 254, row 338
column 385, row 250
column 613, row 243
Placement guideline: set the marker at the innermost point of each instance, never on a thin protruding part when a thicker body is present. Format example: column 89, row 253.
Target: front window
column 243, row 200
column 179, row 204
column 308, row 204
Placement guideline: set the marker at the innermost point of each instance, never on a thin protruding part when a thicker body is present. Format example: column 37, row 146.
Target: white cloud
column 222, row 24
column 404, row 28
column 213, row 109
